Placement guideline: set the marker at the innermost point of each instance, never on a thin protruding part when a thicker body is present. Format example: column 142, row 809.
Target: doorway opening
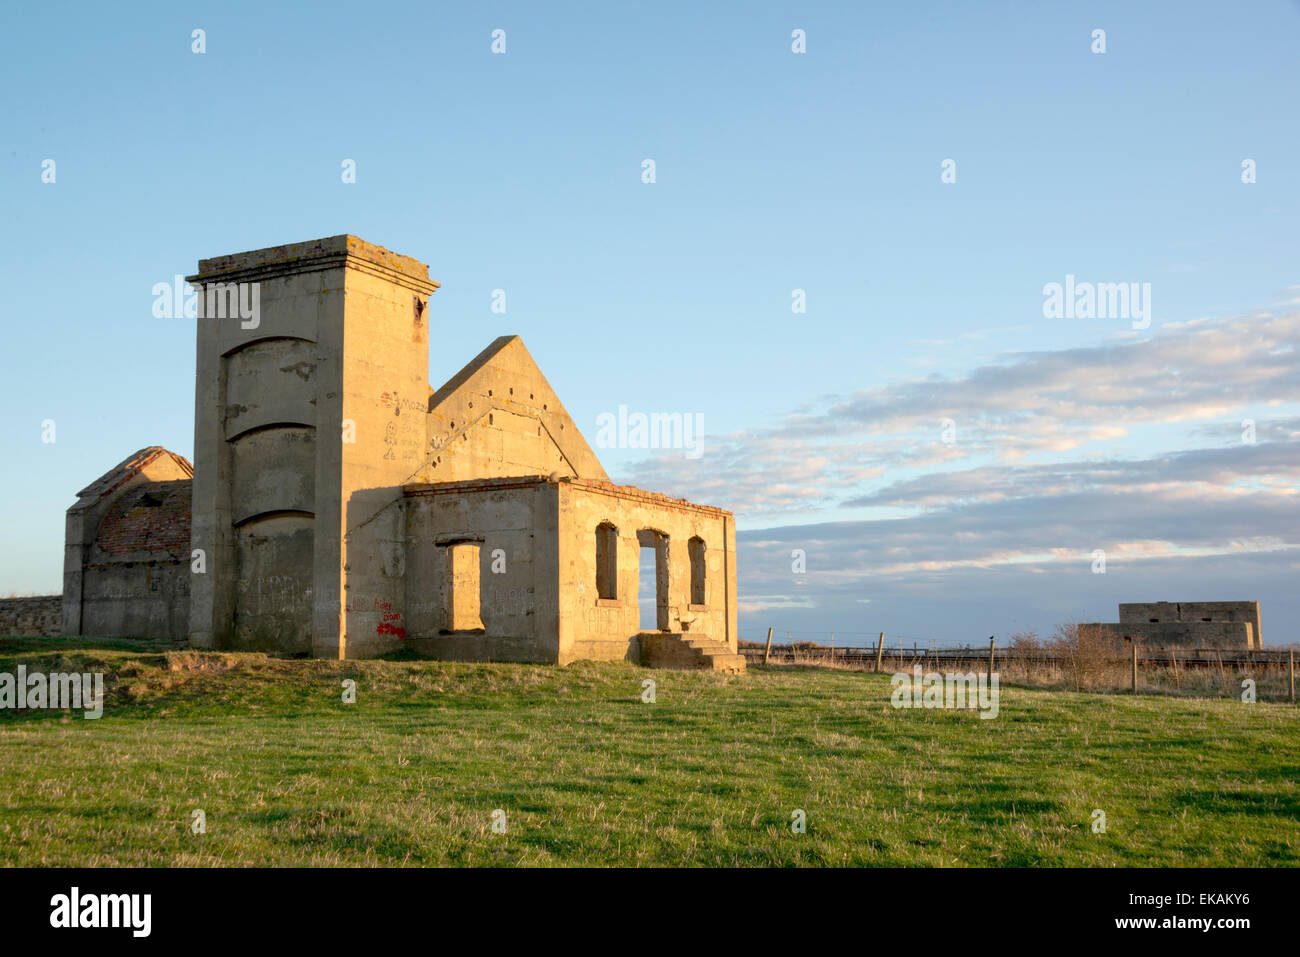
column 652, row 580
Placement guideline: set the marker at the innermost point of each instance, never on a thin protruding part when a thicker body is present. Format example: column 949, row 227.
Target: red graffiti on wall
column 391, row 623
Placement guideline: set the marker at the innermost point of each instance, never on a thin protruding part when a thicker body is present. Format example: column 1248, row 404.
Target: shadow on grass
column 1239, row 802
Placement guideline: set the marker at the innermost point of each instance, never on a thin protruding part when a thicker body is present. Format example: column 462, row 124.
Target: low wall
column 149, row 599
column 41, row 616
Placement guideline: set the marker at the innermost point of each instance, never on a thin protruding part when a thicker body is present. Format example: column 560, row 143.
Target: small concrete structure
column 126, row 556
column 1225, row 625
column 342, row 508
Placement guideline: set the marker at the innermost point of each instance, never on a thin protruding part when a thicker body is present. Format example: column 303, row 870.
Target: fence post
column 991, row 644
column 1292, row 671
column 880, row 650
column 767, row 649
column 832, row 647
column 1135, row 667
column 1177, row 682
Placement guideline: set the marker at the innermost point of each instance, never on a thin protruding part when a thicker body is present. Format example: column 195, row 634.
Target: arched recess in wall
column 273, row 469
column 259, row 339
column 273, row 581
column 261, row 517
column 269, row 380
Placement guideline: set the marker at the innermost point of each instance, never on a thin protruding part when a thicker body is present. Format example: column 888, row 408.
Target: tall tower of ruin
column 310, row 408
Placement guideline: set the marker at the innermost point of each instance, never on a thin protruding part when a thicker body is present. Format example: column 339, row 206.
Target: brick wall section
column 153, row 517
column 41, row 615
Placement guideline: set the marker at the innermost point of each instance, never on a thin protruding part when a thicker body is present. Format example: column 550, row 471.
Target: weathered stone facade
column 343, row 508
column 126, row 561
column 1201, row 624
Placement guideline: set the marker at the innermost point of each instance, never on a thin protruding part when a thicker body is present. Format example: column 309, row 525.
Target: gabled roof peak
column 132, row 466
column 478, row 362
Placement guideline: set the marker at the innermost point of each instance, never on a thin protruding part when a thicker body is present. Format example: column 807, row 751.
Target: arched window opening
column 695, row 548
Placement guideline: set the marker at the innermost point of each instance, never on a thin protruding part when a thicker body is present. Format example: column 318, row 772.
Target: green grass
column 589, row 775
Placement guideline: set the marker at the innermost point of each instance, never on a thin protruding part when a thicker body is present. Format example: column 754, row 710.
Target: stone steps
column 685, row 651
column 720, row 658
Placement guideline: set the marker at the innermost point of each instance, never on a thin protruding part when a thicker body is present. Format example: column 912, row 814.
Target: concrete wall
column 121, row 547
column 499, row 417
column 134, row 574
column 1200, row 612
column 375, row 595
column 307, row 423
column 383, row 397
column 1227, row 636
column 256, row 410
column 273, row 585
column 136, row 600
column 514, row 518
column 603, row 629
column 41, row 615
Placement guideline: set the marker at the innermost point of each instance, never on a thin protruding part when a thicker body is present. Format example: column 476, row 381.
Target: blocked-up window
column 462, row 589
column 695, row 548
column 606, row 561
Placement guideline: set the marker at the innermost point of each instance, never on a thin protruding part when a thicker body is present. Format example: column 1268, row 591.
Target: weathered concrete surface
column 1235, row 636
column 126, row 566
column 1205, row 612
column 35, row 616
column 300, row 439
column 494, row 540
column 257, row 391
column 533, row 540
column 685, row 653
column 603, row 628
column 1227, row 625
column 343, row 508
column 499, row 417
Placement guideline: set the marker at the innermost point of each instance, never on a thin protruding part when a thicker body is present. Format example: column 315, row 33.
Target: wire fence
column 1267, row 673
column 851, row 655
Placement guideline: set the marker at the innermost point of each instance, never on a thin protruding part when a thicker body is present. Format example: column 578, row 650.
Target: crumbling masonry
column 340, row 507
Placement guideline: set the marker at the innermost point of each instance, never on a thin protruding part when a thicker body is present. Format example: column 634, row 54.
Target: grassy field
column 588, row 774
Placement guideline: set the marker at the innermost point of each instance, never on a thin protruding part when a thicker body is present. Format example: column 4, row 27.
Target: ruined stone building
column 1189, row 624
column 126, row 562
column 338, row 506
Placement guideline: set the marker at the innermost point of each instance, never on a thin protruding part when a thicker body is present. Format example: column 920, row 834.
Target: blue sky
column 774, row 171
